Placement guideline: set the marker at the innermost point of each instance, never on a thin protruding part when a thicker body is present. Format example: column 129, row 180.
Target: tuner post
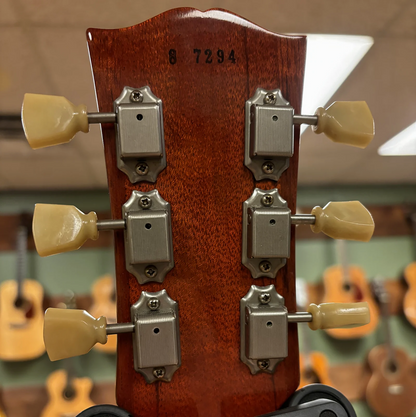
column 154, row 325
column 267, row 231
column 146, row 224
column 137, row 116
column 264, row 321
column 269, row 130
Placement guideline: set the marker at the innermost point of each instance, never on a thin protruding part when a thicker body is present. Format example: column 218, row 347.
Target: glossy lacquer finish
column 206, row 184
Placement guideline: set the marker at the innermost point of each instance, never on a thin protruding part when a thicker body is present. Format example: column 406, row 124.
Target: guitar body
column 409, row 301
column 205, row 183
column 391, row 394
column 104, row 305
column 58, row 405
column 21, row 330
column 314, row 369
column 358, row 290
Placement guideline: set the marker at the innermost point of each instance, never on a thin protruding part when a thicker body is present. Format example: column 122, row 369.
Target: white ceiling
column 43, row 50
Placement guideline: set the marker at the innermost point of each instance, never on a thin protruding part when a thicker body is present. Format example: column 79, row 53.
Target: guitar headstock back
column 203, row 66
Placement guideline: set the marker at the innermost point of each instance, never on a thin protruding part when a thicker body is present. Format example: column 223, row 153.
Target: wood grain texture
column 206, row 183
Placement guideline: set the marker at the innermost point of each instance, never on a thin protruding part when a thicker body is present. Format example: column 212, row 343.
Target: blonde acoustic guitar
column 104, row 304
column 21, row 312
column 68, row 396
column 348, row 284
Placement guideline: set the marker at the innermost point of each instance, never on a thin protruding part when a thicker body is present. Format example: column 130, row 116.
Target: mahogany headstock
column 203, row 66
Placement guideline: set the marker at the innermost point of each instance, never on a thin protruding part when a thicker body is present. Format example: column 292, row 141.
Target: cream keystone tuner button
column 347, row 122
column 338, row 315
column 344, row 220
column 51, row 120
column 70, row 333
column 59, row 228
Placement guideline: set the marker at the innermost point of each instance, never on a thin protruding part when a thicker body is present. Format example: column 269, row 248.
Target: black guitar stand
column 104, row 411
column 315, row 400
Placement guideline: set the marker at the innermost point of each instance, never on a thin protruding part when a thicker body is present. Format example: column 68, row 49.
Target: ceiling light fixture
column 329, row 61
column 404, row 143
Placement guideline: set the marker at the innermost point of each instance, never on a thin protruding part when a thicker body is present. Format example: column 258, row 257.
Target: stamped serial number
column 207, row 56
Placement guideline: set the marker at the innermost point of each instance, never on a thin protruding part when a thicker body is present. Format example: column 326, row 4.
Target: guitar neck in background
column 383, row 299
column 342, row 254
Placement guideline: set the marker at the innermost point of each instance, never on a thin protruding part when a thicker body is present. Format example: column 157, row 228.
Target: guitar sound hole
column 19, row 302
column 156, row 330
column 311, row 376
column 68, row 393
column 25, row 305
column 139, row 117
column 148, row 226
column 392, row 367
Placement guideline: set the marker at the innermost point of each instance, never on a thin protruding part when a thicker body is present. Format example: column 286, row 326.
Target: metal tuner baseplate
column 266, row 233
column 264, row 322
column 263, row 327
column 156, row 342
column 269, row 142
column 140, row 137
column 148, row 236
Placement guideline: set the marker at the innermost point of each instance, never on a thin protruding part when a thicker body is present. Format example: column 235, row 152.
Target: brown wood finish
column 391, row 392
column 206, row 183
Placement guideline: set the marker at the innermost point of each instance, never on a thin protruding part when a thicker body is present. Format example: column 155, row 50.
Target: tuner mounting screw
column 153, row 304
column 142, row 168
column 145, row 202
column 270, row 98
column 263, row 364
column 265, row 266
column 150, row 271
column 136, row 96
column 267, row 200
column 159, row 373
column 268, row 167
column 264, row 298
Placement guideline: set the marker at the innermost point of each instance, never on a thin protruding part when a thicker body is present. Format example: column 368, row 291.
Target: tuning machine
column 269, row 122
column 154, row 325
column 147, row 233
column 267, row 228
column 138, row 117
column 264, row 322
